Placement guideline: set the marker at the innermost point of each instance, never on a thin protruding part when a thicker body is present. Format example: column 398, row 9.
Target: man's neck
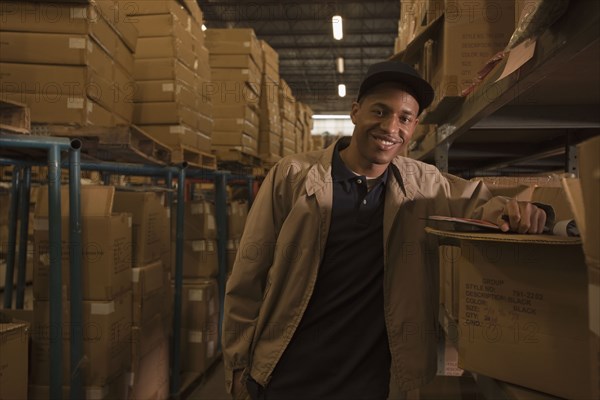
column 370, row 170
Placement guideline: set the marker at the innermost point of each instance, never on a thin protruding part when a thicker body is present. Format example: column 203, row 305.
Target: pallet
column 120, row 144
column 237, row 156
column 193, row 157
column 14, row 117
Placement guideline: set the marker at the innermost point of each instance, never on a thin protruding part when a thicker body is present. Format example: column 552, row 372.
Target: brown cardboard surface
column 237, row 111
column 199, row 219
column 229, row 138
column 95, row 201
column 124, row 57
column 199, row 303
column 146, row 337
column 230, row 79
column 523, row 301
column 14, row 360
column 106, row 340
column 173, row 135
column 203, row 64
column 200, row 259
column 162, row 24
column 270, row 57
column 147, row 280
column 237, row 212
column 163, row 112
column 234, row 41
column 165, row 90
column 194, row 10
column 53, row 81
column 204, row 142
column 199, row 37
column 163, row 69
column 150, row 7
column 106, row 257
column 146, row 308
column 125, row 90
column 589, row 167
column 150, row 218
column 84, row 19
column 236, row 125
column 449, row 279
column 167, row 47
column 205, row 125
column 233, row 61
column 151, row 373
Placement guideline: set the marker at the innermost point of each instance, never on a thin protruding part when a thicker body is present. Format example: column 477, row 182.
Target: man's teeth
column 386, row 142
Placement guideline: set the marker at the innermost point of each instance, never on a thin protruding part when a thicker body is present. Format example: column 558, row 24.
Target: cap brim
column 421, row 88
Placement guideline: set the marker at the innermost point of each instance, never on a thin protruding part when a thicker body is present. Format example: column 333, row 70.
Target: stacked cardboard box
column 269, row 144
column 317, row 142
column 236, row 64
column 237, row 212
column 287, row 102
column 67, row 62
column 303, row 127
column 14, row 357
column 106, row 287
column 451, row 57
column 150, row 244
column 200, row 320
column 200, row 241
column 168, row 99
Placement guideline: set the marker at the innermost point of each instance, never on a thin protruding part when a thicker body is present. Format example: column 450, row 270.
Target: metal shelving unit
column 529, row 121
column 21, row 188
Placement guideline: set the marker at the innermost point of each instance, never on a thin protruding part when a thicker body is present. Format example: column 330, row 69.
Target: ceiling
column 301, row 32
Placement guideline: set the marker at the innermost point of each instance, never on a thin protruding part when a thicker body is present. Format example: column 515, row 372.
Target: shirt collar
column 340, row 172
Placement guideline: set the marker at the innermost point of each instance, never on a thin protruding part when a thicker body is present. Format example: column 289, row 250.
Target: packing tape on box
column 90, row 106
column 196, row 295
column 594, row 298
column 102, row 308
column 195, row 336
column 75, row 103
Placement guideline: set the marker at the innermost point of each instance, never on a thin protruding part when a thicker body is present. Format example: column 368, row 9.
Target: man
column 333, row 294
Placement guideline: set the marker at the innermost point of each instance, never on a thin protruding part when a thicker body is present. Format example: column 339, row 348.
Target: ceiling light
column 338, row 32
column 340, row 64
column 342, row 90
column 203, row 27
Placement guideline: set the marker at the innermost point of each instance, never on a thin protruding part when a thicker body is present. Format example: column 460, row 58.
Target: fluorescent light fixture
column 203, row 27
column 330, row 116
column 340, row 64
column 338, row 31
column 342, row 90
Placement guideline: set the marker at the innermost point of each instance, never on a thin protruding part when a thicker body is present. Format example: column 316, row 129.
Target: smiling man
column 333, row 293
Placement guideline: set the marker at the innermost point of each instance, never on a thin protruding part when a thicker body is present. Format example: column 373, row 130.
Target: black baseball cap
column 397, row 71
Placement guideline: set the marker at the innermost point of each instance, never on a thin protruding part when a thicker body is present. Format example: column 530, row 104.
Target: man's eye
column 378, row 113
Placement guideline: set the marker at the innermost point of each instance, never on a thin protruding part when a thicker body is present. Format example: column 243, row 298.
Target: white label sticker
column 239, row 121
column 168, row 87
column 245, row 72
column 210, row 246
column 102, row 308
column 77, row 43
column 135, row 275
column 177, row 129
column 78, row 12
column 198, row 245
column 168, row 213
column 195, row 337
column 196, row 295
column 246, row 44
column 75, row 103
column 90, row 107
column 211, row 222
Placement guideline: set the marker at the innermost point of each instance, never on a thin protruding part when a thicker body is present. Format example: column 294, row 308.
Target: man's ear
column 355, row 107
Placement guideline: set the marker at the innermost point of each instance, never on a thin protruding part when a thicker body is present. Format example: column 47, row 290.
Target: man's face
column 384, row 122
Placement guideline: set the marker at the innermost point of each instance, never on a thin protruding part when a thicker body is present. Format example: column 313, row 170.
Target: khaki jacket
column 280, row 252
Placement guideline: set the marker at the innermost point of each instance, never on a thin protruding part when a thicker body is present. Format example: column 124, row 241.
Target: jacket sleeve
column 246, row 285
column 471, row 199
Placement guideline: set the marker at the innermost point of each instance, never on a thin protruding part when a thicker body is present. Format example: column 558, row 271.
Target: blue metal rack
column 21, row 183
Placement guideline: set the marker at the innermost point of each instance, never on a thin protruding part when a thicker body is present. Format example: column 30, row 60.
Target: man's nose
column 390, row 124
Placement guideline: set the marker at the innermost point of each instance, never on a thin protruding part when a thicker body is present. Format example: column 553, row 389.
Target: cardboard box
column 54, row 81
column 523, row 302
column 151, row 7
column 123, row 56
column 233, row 246
column 471, row 35
column 167, row 47
column 237, row 212
column 106, row 245
column 172, row 24
column 163, row 69
column 200, row 301
column 195, row 11
column 43, row 17
column 237, row 111
column 164, row 112
column 233, row 61
column 270, row 59
column 150, row 218
column 200, row 259
column 14, row 357
column 449, row 279
column 236, row 125
column 199, row 217
column 150, row 376
column 149, row 285
column 173, row 135
column 203, row 70
column 234, row 41
column 206, row 126
column 106, row 340
column 241, row 139
column 236, row 81
column 165, row 90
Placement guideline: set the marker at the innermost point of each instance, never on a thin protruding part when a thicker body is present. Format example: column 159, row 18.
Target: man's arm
column 246, row 284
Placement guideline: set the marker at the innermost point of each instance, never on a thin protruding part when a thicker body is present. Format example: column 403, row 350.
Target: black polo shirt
column 340, row 349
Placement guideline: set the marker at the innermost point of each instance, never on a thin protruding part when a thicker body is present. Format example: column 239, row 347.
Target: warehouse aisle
column 213, row 387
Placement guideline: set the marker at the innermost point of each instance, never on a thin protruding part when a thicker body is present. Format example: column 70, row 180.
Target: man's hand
column 523, row 217
column 238, row 390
